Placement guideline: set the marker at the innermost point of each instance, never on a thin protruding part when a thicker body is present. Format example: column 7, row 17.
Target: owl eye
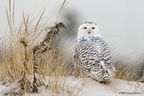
column 84, row 27
column 93, row 27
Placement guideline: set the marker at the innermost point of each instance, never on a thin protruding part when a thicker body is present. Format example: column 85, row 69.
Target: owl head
column 87, row 29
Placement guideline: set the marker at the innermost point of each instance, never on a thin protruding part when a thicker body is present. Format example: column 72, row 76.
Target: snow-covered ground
column 74, row 87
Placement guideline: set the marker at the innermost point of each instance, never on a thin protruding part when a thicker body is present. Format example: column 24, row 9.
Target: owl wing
column 105, row 72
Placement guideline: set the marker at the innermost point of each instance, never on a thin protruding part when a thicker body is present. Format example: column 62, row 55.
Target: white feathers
column 92, row 54
column 90, row 27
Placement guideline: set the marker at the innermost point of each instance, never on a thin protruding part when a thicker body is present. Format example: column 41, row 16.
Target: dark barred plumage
column 92, row 55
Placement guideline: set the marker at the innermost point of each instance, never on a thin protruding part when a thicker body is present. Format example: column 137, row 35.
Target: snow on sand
column 74, row 87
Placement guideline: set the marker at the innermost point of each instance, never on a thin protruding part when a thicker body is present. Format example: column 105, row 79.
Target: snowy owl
column 92, row 55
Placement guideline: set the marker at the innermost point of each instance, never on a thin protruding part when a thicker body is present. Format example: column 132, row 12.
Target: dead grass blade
column 13, row 11
column 60, row 10
column 8, row 19
column 39, row 21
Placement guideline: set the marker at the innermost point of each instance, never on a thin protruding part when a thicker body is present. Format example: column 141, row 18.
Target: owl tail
column 105, row 69
column 108, row 74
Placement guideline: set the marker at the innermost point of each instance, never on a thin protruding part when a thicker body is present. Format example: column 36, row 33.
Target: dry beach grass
column 28, row 56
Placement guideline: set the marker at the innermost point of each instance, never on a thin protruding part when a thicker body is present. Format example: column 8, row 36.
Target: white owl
column 92, row 55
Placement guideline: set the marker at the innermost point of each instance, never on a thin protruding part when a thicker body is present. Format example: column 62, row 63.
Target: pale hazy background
column 121, row 21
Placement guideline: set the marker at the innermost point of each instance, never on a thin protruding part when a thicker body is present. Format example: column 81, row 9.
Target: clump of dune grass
column 29, row 57
column 128, row 70
column 40, row 49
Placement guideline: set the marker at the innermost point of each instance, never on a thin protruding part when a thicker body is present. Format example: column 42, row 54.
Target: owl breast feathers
column 93, row 58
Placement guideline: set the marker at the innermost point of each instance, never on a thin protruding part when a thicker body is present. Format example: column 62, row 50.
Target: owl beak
column 89, row 32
